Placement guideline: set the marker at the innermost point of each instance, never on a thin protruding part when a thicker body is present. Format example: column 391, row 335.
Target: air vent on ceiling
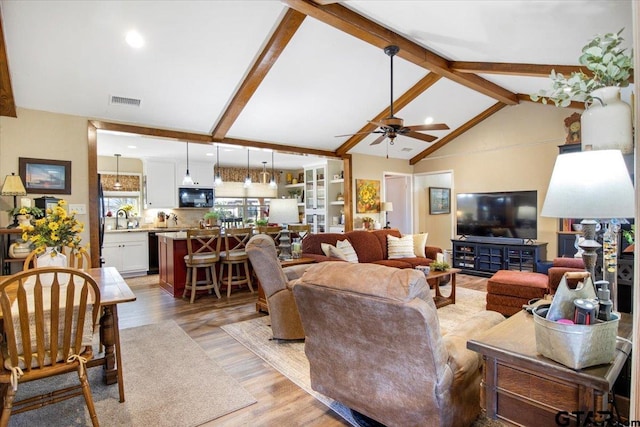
column 121, row 100
column 407, row 149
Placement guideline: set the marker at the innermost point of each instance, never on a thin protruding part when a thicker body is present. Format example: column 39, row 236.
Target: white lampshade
column 590, row 184
column 387, row 207
column 283, row 211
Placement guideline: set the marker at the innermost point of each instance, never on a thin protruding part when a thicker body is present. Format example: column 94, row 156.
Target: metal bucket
column 576, row 346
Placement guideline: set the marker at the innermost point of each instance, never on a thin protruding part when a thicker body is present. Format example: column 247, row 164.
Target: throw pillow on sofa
column 419, row 244
column 400, row 247
column 348, row 251
column 332, row 251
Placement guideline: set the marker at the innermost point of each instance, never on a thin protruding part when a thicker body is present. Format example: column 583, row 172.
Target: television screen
column 512, row 214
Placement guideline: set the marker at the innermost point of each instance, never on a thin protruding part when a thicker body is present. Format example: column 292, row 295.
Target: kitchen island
column 172, row 248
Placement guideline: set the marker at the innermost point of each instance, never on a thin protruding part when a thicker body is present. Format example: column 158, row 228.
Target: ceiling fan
column 390, row 127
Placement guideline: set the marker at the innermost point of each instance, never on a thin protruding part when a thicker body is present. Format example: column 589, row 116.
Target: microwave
column 193, row 197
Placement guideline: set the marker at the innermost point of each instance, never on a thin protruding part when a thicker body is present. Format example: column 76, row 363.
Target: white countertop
column 146, row 230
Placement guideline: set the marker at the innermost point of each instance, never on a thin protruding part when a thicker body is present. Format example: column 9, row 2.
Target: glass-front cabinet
column 315, row 198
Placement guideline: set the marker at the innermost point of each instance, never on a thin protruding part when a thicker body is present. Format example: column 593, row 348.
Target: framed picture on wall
column 439, row 200
column 45, row 176
column 367, row 196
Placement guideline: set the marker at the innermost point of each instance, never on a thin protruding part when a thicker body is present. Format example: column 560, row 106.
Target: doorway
column 397, row 190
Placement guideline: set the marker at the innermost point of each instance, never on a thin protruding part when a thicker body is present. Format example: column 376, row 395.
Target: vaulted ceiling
column 291, row 75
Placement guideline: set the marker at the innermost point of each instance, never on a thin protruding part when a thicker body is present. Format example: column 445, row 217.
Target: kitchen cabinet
column 128, row 252
column 321, row 193
column 201, row 173
column 160, row 184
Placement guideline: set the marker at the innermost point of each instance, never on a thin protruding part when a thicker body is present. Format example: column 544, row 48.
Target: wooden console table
column 261, row 305
column 521, row 386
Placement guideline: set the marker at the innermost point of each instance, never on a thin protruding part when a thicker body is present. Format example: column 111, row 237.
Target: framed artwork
column 367, row 196
column 45, row 176
column 439, row 200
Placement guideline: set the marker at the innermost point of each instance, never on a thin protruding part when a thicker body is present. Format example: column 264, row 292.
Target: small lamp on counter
column 13, row 186
column 284, row 212
column 386, row 207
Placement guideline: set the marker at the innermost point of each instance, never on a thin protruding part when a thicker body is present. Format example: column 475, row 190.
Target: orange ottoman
column 508, row 290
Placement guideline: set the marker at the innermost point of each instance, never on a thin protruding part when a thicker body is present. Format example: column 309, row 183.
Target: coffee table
column 442, row 300
column 521, row 386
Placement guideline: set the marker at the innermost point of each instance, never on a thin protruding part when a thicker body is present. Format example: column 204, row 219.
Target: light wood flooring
column 279, row 401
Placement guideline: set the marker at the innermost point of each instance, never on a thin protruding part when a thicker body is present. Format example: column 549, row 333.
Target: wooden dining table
column 114, row 290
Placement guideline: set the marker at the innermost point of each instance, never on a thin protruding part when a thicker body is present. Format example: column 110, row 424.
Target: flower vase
column 52, row 258
column 606, row 123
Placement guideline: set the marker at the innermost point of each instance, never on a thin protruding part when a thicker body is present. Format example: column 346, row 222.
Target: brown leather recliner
column 285, row 320
column 374, row 344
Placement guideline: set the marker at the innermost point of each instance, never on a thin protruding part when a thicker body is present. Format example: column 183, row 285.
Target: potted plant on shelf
column 439, row 266
column 24, row 214
column 611, row 68
column 367, row 222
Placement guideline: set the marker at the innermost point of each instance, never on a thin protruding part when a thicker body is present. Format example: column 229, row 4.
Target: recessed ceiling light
column 134, row 39
column 209, row 154
column 131, row 146
column 428, row 120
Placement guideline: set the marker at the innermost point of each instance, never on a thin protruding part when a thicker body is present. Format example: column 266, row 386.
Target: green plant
column 262, row 222
column 34, row 211
column 629, row 235
column 439, row 266
column 212, row 215
column 609, row 64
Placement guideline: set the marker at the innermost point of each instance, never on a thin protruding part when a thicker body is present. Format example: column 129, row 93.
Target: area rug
column 289, row 359
column 169, row 381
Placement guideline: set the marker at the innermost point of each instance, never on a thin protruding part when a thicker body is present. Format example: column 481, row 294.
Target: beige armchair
column 374, row 344
column 285, row 320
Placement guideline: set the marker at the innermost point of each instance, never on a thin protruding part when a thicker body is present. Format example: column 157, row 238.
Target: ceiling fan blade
column 421, row 136
column 382, row 125
column 433, row 126
column 351, row 134
column 379, row 139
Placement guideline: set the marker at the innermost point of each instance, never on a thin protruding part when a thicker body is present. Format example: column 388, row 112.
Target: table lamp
column 590, row 185
column 13, row 186
column 284, row 211
column 386, row 207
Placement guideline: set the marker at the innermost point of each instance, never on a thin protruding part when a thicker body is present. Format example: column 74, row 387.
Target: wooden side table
column 522, row 386
column 261, row 305
column 439, row 299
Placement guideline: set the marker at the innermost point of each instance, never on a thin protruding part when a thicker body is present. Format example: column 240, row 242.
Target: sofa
column 370, row 246
column 374, row 344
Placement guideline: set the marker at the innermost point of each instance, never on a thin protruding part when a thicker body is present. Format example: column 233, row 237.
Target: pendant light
column 218, row 179
column 117, row 185
column 247, row 180
column 272, row 182
column 187, row 180
column 264, row 174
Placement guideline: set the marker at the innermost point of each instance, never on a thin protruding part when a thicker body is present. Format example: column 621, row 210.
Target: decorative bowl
column 577, row 227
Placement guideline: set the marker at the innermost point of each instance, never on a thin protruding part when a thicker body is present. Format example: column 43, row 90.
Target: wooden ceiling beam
column 574, row 104
column 425, row 83
column 281, row 37
column 512, row 69
column 375, row 34
column 291, row 149
column 459, row 131
column 159, row 133
column 7, row 102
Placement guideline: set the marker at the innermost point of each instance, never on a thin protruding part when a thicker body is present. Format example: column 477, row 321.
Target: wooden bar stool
column 235, row 255
column 203, row 248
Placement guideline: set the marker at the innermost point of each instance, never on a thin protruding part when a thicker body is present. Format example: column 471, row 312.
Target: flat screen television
column 508, row 214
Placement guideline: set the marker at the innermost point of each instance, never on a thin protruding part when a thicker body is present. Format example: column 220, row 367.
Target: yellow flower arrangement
column 56, row 229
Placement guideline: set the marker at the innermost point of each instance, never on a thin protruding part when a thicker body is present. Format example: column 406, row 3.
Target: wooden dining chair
column 234, row 257
column 49, row 315
column 271, row 231
column 203, row 251
column 79, row 260
column 299, row 230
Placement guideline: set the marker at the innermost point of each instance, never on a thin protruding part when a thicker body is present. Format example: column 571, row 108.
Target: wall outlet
column 80, row 209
